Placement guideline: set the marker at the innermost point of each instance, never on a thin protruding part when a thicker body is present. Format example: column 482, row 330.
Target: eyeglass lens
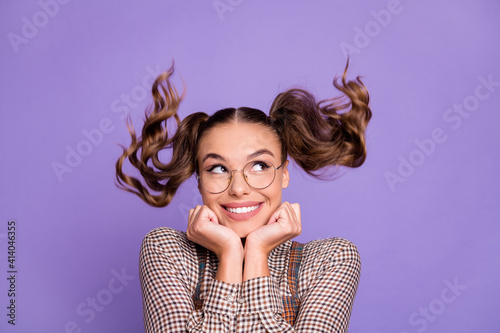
column 259, row 175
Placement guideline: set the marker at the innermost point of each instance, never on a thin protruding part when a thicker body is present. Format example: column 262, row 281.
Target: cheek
column 212, row 201
column 274, row 194
column 209, row 199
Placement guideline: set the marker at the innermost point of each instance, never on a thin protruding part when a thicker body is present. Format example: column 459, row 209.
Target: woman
column 236, row 269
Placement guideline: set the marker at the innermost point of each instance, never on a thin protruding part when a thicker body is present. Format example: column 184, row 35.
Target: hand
column 204, row 229
column 284, row 224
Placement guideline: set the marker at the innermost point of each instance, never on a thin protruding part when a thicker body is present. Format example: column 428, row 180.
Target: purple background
column 83, row 65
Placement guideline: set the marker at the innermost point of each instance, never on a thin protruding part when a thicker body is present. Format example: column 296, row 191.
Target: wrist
column 231, row 249
column 255, row 263
column 254, row 249
column 230, row 268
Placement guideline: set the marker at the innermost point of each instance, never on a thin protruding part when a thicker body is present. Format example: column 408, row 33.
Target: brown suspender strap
column 291, row 303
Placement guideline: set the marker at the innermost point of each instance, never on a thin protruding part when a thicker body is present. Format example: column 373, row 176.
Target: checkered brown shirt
column 328, row 279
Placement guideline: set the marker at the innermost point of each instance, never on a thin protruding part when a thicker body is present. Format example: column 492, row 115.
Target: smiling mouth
column 242, row 210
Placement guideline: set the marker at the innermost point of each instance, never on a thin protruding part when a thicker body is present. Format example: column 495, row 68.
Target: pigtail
column 326, row 133
column 143, row 153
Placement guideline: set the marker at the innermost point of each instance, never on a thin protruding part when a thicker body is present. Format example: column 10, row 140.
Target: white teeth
column 241, row 210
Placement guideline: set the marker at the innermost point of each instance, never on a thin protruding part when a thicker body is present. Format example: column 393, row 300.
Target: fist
column 204, row 229
column 284, row 224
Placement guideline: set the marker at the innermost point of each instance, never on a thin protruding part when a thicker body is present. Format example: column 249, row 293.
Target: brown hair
column 314, row 134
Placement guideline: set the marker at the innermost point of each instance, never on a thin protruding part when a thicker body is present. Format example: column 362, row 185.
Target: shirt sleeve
column 261, row 307
column 328, row 290
column 220, row 309
column 166, row 303
column 167, row 290
column 328, row 297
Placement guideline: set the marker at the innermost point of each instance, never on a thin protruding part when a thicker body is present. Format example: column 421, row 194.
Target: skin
column 243, row 246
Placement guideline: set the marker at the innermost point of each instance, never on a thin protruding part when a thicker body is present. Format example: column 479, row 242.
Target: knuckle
column 195, row 227
column 289, row 229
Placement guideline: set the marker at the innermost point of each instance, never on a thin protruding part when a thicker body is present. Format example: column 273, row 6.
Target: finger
column 276, row 215
column 296, row 208
column 192, row 211
column 290, row 211
column 291, row 218
column 210, row 215
column 282, row 214
column 190, row 216
column 293, row 210
column 193, row 214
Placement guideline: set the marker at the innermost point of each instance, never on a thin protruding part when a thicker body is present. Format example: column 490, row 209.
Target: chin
column 243, row 230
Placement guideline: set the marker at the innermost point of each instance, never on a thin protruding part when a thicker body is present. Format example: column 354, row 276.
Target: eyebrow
column 260, row 152
column 252, row 155
column 214, row 156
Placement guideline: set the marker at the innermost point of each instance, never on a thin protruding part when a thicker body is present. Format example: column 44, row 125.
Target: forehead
column 238, row 140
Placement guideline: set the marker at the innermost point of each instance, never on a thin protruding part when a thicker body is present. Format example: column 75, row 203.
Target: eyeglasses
column 257, row 174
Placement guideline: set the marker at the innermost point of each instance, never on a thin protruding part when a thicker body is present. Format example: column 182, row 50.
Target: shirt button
column 230, row 298
column 241, row 300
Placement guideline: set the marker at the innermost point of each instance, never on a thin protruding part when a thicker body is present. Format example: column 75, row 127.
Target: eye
column 218, row 169
column 259, row 166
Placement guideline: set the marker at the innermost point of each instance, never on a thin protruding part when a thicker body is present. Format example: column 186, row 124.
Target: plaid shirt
column 169, row 270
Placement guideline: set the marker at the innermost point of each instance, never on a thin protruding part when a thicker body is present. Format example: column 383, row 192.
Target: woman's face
column 230, row 147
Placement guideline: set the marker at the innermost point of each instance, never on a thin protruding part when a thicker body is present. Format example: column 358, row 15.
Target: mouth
column 242, row 211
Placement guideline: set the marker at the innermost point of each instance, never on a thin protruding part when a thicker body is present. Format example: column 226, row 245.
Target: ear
column 286, row 176
column 199, row 184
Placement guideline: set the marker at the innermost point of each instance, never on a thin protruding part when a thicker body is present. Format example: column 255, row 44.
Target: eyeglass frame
column 244, row 177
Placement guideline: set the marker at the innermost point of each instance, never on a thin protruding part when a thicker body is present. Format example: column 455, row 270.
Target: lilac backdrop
column 423, row 210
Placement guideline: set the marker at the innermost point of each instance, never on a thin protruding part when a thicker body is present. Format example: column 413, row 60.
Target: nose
column 238, row 185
